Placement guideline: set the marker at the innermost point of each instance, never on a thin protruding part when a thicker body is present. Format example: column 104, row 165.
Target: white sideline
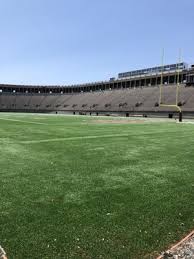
column 31, row 122
column 188, row 122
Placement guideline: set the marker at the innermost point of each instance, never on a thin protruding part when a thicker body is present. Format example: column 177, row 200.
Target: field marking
column 96, row 149
column 73, row 138
column 31, row 122
column 186, row 122
column 83, row 137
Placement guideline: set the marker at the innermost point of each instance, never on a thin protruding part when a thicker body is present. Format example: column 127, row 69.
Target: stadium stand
column 131, row 95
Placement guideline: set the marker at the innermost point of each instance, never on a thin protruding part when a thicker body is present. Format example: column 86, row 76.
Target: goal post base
column 180, row 116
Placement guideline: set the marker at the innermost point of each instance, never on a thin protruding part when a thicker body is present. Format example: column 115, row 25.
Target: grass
column 63, row 196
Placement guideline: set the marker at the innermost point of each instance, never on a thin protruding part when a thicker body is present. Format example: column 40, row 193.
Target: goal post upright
column 178, row 77
column 161, row 79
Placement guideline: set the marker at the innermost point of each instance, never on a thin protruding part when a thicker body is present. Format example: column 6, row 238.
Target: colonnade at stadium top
column 139, row 81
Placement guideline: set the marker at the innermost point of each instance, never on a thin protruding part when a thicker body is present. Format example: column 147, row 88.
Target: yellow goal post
column 177, row 88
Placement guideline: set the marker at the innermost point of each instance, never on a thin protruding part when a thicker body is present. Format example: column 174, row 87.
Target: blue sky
column 76, row 41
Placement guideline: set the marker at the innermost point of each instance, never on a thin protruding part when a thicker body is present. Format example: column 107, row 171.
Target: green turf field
column 82, row 187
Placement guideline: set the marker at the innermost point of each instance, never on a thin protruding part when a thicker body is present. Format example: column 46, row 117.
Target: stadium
column 93, row 186
column 146, row 92
column 96, row 129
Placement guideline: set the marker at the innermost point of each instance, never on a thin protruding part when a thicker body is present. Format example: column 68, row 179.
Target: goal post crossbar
column 171, row 105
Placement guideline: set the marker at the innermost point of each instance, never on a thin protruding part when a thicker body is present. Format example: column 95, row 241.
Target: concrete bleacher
column 139, row 100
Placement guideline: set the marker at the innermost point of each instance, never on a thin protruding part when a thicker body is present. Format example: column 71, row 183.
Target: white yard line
column 73, row 138
column 85, row 137
column 30, row 122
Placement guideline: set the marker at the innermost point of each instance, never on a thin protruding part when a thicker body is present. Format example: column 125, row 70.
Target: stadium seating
column 136, row 100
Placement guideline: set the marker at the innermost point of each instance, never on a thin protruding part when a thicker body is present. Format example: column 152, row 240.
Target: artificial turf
column 121, row 191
